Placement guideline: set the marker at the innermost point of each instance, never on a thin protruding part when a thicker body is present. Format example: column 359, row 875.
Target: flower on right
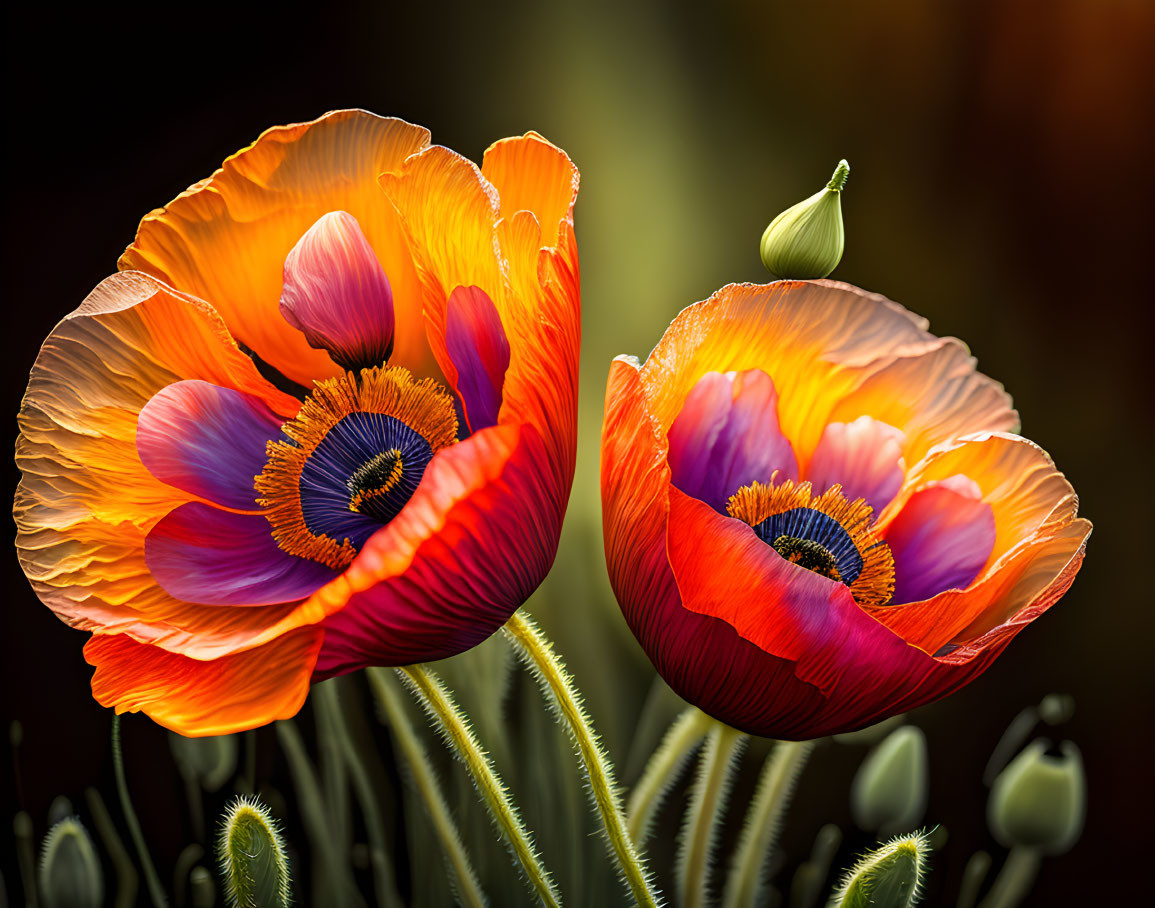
column 816, row 513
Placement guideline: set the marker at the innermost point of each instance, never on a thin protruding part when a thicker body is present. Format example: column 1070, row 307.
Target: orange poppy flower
column 815, row 513
column 324, row 417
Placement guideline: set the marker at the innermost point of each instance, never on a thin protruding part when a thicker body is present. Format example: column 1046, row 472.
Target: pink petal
column 727, row 436
column 864, row 457
column 336, row 292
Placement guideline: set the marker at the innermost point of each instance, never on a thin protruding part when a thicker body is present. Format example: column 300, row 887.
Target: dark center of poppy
column 356, row 453
column 808, row 554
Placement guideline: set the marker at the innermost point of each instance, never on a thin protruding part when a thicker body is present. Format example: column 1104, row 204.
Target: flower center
column 825, row 534
column 358, row 449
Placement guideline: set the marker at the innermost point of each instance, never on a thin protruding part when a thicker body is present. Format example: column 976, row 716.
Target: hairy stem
column 707, row 802
column 465, row 884
column 764, row 822
column 455, row 728
column 151, row 880
column 663, row 769
column 558, row 686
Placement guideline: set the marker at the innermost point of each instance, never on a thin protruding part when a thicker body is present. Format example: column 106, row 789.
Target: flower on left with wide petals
column 323, row 418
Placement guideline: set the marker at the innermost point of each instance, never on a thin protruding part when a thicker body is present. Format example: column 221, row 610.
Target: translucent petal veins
column 358, row 450
column 826, row 534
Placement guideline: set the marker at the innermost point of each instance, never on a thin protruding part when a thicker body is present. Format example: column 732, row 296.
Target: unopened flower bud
column 806, row 240
column 209, row 761
column 890, row 877
column 1040, row 799
column 252, row 857
column 890, row 791
column 70, row 875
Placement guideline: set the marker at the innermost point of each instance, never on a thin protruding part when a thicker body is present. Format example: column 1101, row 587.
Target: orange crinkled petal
column 85, row 502
column 225, row 239
column 194, row 698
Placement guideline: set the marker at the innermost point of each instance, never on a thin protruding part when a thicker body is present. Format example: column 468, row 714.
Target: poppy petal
column 727, row 436
column 440, row 577
column 531, row 174
column 202, row 554
column 337, row 293
column 864, row 457
column 479, row 350
column 207, row 440
column 193, row 698
column 941, row 539
column 225, row 239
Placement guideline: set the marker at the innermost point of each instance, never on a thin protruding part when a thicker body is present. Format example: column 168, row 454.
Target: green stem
column 1015, row 879
column 973, row 875
column 764, row 821
column 454, row 726
column 466, row 887
column 333, row 883
column 557, row 684
column 331, row 763
column 152, row 881
column 707, row 801
column 663, row 769
column 384, row 881
column 127, row 881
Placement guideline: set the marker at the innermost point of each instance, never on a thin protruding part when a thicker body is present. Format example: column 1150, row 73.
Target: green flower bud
column 201, row 885
column 890, row 877
column 890, row 791
column 1040, row 799
column 209, row 761
column 70, row 875
column 806, row 240
column 252, row 857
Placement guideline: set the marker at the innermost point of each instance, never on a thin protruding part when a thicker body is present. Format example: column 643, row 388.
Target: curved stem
column 454, row 726
column 384, row 880
column 662, row 770
column 127, row 882
column 465, row 885
column 557, row 684
column 152, row 881
column 764, row 821
column 707, row 801
column 1015, row 879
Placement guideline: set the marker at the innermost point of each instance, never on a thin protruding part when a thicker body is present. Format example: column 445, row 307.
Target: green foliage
column 251, row 852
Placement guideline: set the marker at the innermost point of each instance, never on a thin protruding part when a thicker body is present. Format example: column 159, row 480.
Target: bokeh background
column 1000, row 186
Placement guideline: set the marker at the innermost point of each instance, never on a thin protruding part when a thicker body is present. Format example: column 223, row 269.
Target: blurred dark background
column 1000, row 186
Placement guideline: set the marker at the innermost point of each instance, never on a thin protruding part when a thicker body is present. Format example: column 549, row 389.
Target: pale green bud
column 806, row 240
column 1040, row 799
column 201, row 886
column 70, row 875
column 209, row 761
column 251, row 850
column 890, row 791
column 889, row 877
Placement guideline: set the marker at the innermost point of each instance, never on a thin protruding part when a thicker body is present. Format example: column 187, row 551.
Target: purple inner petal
column 864, row 457
column 479, row 350
column 202, row 554
column 207, row 440
column 940, row 540
column 727, row 435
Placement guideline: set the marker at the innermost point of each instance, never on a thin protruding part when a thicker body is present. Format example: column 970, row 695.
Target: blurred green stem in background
column 127, row 881
column 152, row 881
column 707, row 803
column 329, row 705
column 557, row 685
column 663, row 770
column 454, row 727
column 1014, row 881
column 764, row 822
column 333, row 881
column 464, row 885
